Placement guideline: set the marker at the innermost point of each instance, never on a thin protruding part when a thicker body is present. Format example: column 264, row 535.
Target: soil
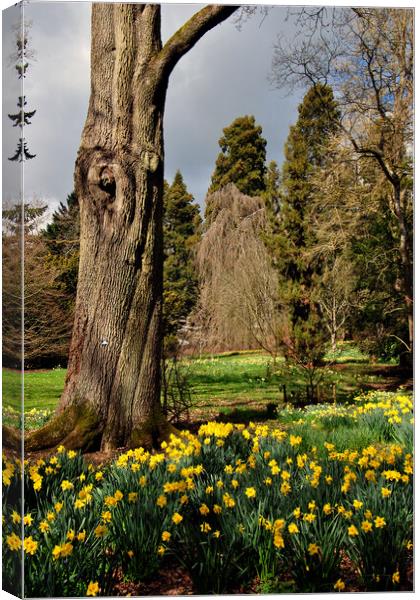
column 174, row 580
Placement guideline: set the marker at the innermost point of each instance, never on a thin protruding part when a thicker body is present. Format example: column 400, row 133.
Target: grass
column 42, row 388
column 235, row 385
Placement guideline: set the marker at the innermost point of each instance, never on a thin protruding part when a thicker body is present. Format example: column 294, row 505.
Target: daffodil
column 339, row 585
column 293, row 528
column 177, row 518
column 313, row 549
column 30, row 545
column 366, row 526
column 380, row 522
column 14, row 542
column 92, row 589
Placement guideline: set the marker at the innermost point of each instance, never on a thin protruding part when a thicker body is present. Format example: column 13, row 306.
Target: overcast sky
column 224, row 76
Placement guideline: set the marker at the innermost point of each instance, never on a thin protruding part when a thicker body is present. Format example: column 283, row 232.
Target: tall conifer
column 241, row 160
column 293, row 232
column 181, row 228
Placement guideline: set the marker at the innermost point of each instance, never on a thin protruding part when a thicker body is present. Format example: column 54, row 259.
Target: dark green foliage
column 380, row 324
column 62, row 239
column 272, row 189
column 181, row 226
column 292, row 229
column 242, row 159
column 13, row 217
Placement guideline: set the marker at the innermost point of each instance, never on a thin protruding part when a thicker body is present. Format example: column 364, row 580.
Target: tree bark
column 112, row 390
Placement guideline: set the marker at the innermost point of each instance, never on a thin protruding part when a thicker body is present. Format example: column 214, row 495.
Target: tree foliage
column 366, row 55
column 292, row 229
column 62, row 239
column 181, row 231
column 242, row 158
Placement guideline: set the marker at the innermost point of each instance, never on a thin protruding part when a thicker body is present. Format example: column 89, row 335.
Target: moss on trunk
column 77, row 427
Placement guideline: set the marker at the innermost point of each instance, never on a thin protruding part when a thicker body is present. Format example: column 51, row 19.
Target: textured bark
column 112, row 390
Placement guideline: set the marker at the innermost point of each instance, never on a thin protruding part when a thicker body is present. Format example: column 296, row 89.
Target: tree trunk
column 112, row 390
column 406, row 358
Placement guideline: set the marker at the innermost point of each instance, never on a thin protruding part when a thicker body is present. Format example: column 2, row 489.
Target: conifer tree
column 62, row 239
column 181, row 228
column 293, row 233
column 271, row 194
column 242, row 158
column 22, row 118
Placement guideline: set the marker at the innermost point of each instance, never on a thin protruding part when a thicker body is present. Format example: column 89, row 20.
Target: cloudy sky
column 224, row 76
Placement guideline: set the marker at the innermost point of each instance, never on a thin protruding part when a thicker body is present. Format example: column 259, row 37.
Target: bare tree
column 238, row 305
column 46, row 317
column 335, row 296
column 366, row 55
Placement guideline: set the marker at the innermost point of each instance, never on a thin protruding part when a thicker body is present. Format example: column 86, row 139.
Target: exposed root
column 12, row 438
column 79, row 428
column 76, row 428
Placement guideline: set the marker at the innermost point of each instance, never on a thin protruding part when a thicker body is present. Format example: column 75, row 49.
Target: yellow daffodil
column 30, row 545
column 177, row 518
column 14, row 542
column 313, row 549
column 380, row 522
column 366, row 526
column 339, row 585
column 293, row 528
column 92, row 589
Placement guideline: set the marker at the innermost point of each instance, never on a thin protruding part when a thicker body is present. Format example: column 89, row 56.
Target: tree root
column 79, row 428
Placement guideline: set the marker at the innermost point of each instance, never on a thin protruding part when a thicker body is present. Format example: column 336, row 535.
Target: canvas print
column 207, row 249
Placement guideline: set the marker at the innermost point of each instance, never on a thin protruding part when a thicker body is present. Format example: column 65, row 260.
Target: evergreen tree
column 13, row 217
column 22, row 117
column 181, row 227
column 271, row 194
column 242, row 158
column 62, row 239
column 292, row 234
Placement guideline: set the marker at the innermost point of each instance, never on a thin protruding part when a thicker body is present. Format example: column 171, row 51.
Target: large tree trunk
column 112, row 390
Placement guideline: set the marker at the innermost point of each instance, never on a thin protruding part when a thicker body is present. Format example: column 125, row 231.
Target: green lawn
column 42, row 388
column 236, row 385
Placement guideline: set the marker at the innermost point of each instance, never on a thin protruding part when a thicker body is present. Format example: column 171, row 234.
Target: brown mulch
column 174, row 580
column 171, row 580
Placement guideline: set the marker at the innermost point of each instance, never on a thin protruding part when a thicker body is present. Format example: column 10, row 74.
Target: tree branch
column 189, row 34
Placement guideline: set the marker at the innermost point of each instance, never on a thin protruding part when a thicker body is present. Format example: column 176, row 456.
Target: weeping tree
column 238, row 302
column 112, row 390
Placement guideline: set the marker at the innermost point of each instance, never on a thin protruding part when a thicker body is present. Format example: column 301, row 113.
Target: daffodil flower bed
column 231, row 503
